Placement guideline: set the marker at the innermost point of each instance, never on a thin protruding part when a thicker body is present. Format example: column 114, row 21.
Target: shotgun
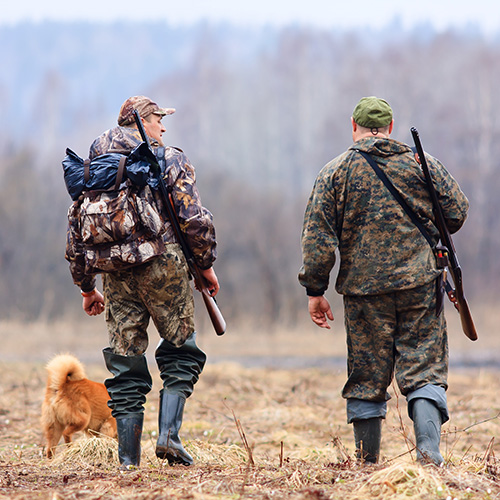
column 456, row 295
column 213, row 310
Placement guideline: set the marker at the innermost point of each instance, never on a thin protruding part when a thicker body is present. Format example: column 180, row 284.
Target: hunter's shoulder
column 174, row 152
column 175, row 156
column 337, row 164
column 115, row 140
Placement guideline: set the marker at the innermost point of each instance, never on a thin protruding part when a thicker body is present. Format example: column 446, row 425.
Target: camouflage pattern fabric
column 144, row 106
column 113, row 230
column 158, row 290
column 195, row 220
column 126, row 211
column 351, row 210
column 115, row 140
column 396, row 333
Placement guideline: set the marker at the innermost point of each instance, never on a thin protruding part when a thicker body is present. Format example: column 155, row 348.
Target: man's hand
column 211, row 281
column 320, row 310
column 93, row 303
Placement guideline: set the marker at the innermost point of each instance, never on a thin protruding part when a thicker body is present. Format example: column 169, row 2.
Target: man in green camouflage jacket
column 159, row 290
column 387, row 276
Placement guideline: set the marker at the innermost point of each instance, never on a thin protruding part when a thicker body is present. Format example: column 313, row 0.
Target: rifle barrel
column 213, row 310
column 444, row 234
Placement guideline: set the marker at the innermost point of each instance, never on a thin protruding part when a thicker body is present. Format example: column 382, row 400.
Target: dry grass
column 94, row 451
column 254, row 433
column 289, row 423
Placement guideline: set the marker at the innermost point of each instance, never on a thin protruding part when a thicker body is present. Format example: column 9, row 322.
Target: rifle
column 455, row 295
column 213, row 310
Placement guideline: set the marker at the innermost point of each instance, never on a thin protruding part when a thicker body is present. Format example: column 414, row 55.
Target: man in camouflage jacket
column 387, row 275
column 158, row 289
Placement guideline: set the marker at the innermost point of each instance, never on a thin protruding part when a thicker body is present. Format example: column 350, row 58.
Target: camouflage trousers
column 395, row 334
column 157, row 290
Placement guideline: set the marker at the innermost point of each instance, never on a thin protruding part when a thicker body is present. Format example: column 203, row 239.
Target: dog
column 73, row 403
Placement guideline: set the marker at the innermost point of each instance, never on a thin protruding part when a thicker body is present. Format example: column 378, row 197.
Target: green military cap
column 372, row 112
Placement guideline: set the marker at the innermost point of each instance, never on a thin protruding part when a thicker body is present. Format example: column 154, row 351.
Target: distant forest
column 259, row 112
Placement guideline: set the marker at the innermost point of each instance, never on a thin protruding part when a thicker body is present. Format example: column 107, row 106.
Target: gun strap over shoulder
column 413, row 216
column 388, row 184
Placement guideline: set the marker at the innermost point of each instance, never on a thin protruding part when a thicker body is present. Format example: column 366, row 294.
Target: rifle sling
column 413, row 216
column 388, row 184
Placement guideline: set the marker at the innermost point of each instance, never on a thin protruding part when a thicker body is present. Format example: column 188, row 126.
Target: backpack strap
column 120, row 172
column 86, row 170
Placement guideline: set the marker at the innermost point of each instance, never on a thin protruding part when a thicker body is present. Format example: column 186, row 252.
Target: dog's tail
column 62, row 368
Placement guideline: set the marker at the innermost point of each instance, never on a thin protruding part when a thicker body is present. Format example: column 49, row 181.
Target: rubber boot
column 130, row 384
column 180, row 367
column 129, row 440
column 127, row 391
column 427, row 426
column 169, row 445
column 367, row 436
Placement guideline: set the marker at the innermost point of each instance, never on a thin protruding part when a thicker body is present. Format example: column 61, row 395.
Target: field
column 255, row 432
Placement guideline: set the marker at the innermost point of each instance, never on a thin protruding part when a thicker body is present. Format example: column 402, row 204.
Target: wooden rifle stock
column 457, row 295
column 213, row 310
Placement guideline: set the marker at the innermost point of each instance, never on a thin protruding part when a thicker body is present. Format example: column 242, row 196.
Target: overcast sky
column 323, row 13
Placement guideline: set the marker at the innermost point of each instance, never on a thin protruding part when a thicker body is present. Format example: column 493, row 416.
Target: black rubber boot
column 367, row 436
column 169, row 445
column 427, row 426
column 129, row 440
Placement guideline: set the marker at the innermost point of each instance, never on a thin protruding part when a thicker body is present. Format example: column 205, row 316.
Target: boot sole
column 172, row 459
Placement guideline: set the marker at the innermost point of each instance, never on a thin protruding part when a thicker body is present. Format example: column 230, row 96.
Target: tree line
column 258, row 120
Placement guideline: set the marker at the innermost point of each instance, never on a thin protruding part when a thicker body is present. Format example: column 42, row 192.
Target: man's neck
column 378, row 135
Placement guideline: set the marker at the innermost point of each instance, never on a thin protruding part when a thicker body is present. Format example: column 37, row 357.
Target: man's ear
column 354, row 124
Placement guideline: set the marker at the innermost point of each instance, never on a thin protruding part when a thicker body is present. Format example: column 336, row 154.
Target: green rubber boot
column 127, row 391
column 427, row 426
column 367, row 436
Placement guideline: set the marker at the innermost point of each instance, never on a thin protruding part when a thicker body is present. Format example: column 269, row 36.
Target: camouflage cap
column 144, row 105
column 372, row 112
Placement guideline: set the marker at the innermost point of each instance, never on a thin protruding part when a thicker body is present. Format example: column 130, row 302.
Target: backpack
column 118, row 226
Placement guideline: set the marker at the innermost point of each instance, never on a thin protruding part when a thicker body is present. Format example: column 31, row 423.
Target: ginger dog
column 73, row 403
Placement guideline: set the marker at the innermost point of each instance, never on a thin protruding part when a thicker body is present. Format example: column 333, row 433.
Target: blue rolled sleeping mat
column 103, row 170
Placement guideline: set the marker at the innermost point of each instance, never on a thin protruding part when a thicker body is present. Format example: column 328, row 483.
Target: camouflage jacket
column 195, row 220
column 351, row 210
